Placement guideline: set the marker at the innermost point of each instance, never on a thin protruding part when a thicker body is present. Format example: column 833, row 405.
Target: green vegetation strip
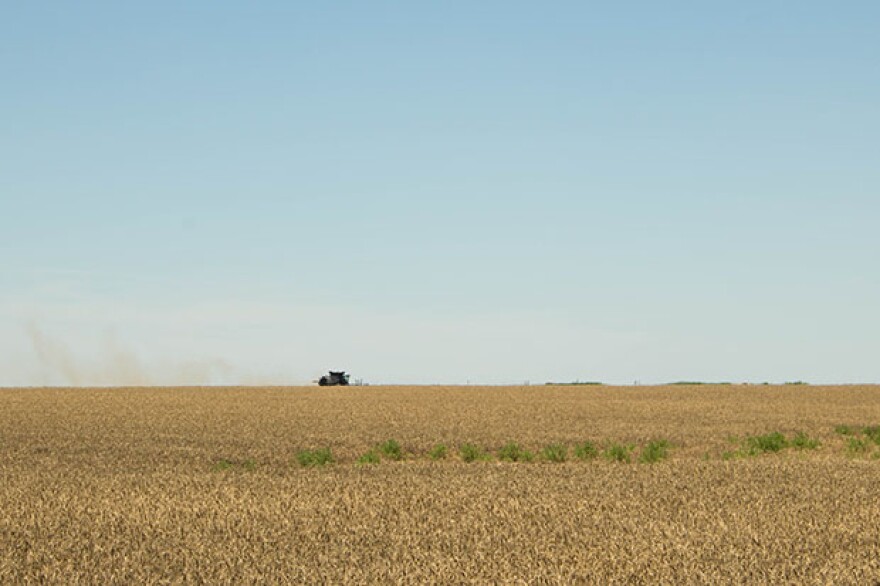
column 368, row 458
column 655, row 451
column 618, row 453
column 771, row 443
column 512, row 452
column 586, row 451
column 391, row 450
column 311, row 458
column 473, row 453
column 858, row 441
column 224, row 464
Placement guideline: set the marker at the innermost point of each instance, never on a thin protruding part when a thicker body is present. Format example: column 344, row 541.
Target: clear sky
column 248, row 192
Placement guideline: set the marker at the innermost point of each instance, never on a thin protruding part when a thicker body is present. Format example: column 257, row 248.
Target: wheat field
column 205, row 485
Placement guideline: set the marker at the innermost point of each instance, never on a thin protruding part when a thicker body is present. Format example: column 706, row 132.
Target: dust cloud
column 116, row 365
column 54, row 359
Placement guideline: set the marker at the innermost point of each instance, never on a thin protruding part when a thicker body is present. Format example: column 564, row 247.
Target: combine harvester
column 334, row 379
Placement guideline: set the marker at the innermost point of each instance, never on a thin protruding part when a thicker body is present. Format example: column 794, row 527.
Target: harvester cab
column 333, row 379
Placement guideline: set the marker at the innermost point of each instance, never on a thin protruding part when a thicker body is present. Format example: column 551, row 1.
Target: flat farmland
column 556, row 484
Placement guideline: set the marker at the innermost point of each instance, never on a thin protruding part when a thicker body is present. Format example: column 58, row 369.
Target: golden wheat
column 156, row 486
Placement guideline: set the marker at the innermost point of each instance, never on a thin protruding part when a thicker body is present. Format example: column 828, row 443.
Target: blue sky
column 491, row 192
